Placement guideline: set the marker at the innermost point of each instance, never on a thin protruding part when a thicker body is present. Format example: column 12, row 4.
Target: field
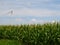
column 36, row 34
column 9, row 42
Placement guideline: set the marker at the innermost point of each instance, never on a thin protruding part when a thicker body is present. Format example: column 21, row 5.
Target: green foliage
column 9, row 42
column 46, row 34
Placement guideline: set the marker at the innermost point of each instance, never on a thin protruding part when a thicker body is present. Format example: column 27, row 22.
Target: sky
column 29, row 11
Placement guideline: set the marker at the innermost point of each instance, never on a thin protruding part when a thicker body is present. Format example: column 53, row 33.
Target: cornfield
column 45, row 34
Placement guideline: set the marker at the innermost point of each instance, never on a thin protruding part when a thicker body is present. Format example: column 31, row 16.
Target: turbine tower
column 11, row 12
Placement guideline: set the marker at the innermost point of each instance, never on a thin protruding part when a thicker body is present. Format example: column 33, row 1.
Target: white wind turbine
column 8, row 13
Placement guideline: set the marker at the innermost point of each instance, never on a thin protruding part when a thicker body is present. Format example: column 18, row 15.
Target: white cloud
column 31, row 12
column 33, row 20
column 36, row 12
column 36, row 21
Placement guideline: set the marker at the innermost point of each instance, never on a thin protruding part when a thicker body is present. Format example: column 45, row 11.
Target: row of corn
column 39, row 34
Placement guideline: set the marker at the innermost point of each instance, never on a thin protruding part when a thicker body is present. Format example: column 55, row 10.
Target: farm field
column 34, row 34
column 9, row 42
column 29, row 22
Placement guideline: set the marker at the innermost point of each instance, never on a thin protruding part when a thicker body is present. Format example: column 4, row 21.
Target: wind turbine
column 10, row 13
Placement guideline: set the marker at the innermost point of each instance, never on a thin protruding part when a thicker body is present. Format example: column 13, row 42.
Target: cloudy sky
column 29, row 11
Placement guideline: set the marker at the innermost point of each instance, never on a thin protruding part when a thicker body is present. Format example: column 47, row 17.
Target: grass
column 9, row 42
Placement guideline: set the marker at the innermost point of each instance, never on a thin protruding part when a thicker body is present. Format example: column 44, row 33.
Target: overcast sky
column 29, row 11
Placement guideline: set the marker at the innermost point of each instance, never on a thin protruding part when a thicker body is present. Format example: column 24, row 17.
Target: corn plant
column 45, row 34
